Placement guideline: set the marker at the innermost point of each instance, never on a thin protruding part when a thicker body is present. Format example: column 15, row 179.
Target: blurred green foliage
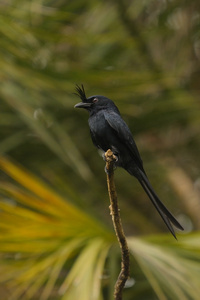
column 144, row 55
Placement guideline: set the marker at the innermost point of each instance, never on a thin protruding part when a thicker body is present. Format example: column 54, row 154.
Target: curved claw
column 106, row 170
column 114, row 165
column 116, row 158
column 103, row 156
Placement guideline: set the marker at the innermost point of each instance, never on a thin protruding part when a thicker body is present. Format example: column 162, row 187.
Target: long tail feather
column 162, row 210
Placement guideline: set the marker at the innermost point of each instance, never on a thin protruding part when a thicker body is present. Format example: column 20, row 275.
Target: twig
column 114, row 211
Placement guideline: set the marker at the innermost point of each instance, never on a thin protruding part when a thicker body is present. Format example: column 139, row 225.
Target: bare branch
column 114, row 211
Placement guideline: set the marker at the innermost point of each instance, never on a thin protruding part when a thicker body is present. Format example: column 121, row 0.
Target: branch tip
column 109, row 156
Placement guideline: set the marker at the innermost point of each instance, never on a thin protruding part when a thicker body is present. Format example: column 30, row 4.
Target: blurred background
column 56, row 234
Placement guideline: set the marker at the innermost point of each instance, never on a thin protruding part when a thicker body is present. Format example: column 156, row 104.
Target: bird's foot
column 106, row 170
column 115, row 160
column 103, row 156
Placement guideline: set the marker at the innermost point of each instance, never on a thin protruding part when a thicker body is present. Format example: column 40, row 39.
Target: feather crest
column 80, row 92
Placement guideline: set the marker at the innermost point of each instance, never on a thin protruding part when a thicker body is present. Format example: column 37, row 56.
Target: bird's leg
column 103, row 156
column 106, row 170
column 114, row 166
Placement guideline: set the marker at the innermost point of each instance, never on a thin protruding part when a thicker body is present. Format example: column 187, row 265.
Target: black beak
column 83, row 105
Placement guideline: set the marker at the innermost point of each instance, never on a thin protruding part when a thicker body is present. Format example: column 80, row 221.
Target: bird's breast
column 101, row 131
column 97, row 123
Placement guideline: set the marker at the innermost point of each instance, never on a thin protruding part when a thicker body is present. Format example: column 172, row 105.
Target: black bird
column 109, row 131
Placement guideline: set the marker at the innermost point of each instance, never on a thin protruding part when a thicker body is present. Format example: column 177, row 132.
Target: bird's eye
column 95, row 100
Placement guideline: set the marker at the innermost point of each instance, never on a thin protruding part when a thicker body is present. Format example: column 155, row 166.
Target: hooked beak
column 83, row 105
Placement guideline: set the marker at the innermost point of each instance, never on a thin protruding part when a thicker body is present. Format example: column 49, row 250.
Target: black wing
column 124, row 134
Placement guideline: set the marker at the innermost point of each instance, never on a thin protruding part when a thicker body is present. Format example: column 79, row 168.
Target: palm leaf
column 46, row 231
column 172, row 268
column 44, row 236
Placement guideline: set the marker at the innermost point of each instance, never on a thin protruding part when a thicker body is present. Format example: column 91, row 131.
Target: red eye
column 95, row 100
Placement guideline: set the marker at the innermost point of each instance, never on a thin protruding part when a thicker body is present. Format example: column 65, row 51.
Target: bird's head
column 93, row 103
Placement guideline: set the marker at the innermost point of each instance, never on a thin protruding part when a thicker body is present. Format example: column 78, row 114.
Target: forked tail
column 165, row 214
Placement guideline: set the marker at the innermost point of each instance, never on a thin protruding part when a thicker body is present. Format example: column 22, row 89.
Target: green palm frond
column 48, row 246
column 40, row 233
column 172, row 268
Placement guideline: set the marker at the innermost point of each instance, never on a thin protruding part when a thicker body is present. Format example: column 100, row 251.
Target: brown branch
column 114, row 211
